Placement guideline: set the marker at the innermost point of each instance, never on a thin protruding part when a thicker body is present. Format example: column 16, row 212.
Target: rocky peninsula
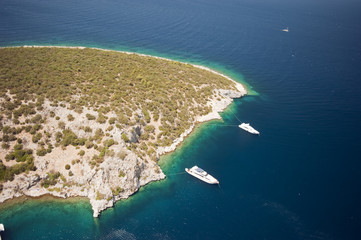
column 93, row 123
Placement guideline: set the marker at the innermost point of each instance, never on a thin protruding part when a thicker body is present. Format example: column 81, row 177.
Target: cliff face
column 105, row 180
column 99, row 186
column 105, row 147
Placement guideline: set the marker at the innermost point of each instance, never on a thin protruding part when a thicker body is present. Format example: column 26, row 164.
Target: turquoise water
column 300, row 179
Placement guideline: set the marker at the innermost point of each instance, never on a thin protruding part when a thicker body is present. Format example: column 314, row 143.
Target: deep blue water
column 300, row 179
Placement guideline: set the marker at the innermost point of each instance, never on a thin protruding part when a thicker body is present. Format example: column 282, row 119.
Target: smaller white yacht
column 285, row 30
column 202, row 175
column 2, row 228
column 248, row 128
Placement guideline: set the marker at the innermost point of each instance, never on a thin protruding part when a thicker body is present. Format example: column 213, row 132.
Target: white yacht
column 285, row 30
column 202, row 175
column 1, row 228
column 248, row 128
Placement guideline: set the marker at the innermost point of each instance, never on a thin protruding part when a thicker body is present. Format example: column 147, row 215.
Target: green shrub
column 99, row 134
column 36, row 119
column 36, row 137
column 67, row 166
column 121, row 173
column 109, row 142
column 117, row 190
column 5, row 146
column 89, row 144
column 18, row 147
column 123, row 119
column 99, row 196
column 70, row 117
column 69, row 138
column 81, row 153
column 101, row 118
column 35, row 128
column 58, row 136
column 61, row 125
column 112, row 120
column 41, row 152
column 51, row 180
column 122, row 154
column 149, row 128
column 88, row 129
column 90, row 117
column 125, row 138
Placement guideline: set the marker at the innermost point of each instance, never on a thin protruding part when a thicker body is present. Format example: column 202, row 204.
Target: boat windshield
column 200, row 170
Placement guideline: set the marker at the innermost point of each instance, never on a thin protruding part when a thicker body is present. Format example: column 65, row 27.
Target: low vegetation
column 148, row 102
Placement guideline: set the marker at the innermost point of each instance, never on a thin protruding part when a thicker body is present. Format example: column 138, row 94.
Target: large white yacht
column 285, row 30
column 202, row 175
column 248, row 128
column 2, row 228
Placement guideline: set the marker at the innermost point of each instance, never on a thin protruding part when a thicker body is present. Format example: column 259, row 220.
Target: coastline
column 216, row 108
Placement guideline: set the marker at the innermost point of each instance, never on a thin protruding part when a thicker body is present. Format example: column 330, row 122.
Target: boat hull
column 208, row 178
column 249, row 129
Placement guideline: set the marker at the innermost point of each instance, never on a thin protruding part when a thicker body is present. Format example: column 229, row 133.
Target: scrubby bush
column 90, row 117
column 88, row 129
column 122, row 154
column 36, row 137
column 81, row 153
column 125, row 138
column 41, row 152
column 101, row 118
column 35, row 128
column 36, row 119
column 121, row 174
column 8, row 173
column 89, row 144
column 5, row 146
column 69, row 137
column 109, row 142
column 112, row 120
column 51, row 180
column 117, row 190
column 61, row 125
column 67, row 166
column 18, row 147
column 149, row 128
column 99, row 134
column 70, row 117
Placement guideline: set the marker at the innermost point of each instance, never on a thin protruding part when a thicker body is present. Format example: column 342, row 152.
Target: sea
column 299, row 179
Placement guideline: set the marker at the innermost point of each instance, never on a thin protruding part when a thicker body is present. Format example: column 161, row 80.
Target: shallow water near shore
column 300, row 179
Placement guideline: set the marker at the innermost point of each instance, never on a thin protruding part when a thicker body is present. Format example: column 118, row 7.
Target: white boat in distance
column 202, row 175
column 248, row 128
column 285, row 30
